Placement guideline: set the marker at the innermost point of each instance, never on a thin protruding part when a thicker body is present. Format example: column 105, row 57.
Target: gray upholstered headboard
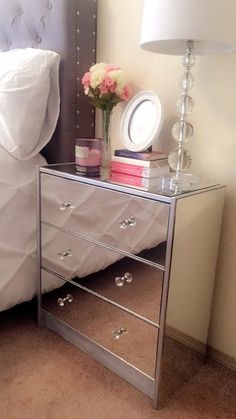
column 69, row 28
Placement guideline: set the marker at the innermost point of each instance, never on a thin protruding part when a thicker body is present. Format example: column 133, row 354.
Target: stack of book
column 138, row 169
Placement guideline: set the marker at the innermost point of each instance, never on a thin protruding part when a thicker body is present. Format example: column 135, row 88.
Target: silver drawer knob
column 66, row 205
column 62, row 255
column 120, row 280
column 129, row 222
column 116, row 334
column 62, row 301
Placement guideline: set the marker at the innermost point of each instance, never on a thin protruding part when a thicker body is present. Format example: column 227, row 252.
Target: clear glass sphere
column 186, row 81
column 128, row 277
column 185, row 105
column 184, row 128
column 188, row 60
column 119, row 281
column 182, row 156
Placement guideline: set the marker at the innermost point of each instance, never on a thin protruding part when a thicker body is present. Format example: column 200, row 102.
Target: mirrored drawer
column 124, row 335
column 125, row 281
column 125, row 222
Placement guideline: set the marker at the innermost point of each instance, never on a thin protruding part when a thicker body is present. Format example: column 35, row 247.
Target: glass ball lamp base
column 180, row 159
column 179, row 180
column 178, row 183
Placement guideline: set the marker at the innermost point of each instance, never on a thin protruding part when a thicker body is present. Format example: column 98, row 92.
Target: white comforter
column 29, row 109
column 18, row 264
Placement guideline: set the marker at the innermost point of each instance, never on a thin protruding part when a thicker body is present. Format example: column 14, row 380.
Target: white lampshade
column 211, row 24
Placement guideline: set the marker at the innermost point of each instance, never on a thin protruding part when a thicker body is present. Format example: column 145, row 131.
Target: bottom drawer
column 126, row 336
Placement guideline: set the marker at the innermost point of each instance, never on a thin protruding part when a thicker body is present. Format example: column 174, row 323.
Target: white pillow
column 29, row 100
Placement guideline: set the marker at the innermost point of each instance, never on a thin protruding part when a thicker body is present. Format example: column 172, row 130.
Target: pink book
column 135, row 181
column 132, row 169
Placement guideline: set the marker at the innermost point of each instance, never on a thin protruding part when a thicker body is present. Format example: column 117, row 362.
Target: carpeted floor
column 44, row 377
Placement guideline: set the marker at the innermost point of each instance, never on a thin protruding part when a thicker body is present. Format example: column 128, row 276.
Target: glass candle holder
column 88, row 154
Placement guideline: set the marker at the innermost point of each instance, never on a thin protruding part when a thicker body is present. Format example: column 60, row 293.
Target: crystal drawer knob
column 116, row 334
column 62, row 301
column 129, row 222
column 120, row 280
column 66, row 205
column 66, row 253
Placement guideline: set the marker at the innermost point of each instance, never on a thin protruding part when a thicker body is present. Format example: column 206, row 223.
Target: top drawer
column 116, row 219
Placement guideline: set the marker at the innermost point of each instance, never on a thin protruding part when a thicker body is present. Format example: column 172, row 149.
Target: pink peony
column 125, row 94
column 107, row 86
column 86, row 80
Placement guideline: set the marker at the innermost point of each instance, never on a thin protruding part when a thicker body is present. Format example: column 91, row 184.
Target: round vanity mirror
column 142, row 121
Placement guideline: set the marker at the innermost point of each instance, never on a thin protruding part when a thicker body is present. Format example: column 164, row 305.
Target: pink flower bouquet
column 105, row 85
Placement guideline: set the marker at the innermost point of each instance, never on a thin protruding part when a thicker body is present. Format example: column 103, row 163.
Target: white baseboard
column 221, row 358
column 198, row 346
column 186, row 340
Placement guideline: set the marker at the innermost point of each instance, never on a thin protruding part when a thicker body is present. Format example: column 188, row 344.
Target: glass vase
column 106, row 136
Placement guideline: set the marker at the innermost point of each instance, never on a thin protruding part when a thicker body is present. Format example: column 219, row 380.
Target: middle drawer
column 134, row 285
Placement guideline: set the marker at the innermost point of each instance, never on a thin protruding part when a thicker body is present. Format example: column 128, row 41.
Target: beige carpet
column 44, row 377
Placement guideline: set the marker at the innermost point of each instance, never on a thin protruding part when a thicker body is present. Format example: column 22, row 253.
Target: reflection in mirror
column 142, row 121
column 104, row 323
column 179, row 364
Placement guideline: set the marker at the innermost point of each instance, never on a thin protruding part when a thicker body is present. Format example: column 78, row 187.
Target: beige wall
column 213, row 146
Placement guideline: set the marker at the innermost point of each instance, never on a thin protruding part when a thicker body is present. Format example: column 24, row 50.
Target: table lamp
column 187, row 28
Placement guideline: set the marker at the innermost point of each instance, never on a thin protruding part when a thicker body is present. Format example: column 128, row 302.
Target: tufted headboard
column 69, row 28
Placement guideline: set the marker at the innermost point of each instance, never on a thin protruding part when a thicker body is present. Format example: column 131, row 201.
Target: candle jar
column 88, row 152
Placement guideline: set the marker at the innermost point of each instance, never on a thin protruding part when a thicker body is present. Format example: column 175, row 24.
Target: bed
column 67, row 30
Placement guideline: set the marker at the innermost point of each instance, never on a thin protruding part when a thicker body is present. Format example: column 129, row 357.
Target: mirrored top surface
column 156, row 187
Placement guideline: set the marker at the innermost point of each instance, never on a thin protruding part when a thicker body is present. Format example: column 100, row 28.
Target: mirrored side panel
column 192, row 274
